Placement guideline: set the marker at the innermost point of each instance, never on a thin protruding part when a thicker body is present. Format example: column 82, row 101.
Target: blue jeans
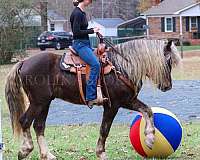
column 84, row 50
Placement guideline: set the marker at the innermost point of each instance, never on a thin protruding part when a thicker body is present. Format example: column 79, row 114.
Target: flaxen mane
column 140, row 58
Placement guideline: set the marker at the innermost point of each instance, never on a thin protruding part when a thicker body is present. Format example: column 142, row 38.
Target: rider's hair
column 76, row 2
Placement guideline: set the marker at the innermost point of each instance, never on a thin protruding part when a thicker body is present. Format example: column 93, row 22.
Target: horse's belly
column 68, row 89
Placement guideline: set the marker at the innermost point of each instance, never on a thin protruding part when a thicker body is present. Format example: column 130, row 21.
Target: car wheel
column 42, row 48
column 58, row 46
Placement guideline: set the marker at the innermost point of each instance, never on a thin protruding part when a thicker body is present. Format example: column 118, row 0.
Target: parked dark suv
column 57, row 40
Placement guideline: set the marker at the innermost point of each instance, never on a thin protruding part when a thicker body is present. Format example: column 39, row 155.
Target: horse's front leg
column 108, row 117
column 147, row 113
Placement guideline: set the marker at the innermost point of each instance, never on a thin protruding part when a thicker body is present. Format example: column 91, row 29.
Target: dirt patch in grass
column 188, row 70
column 190, row 54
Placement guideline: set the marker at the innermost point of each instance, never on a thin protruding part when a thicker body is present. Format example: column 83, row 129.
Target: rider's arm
column 77, row 27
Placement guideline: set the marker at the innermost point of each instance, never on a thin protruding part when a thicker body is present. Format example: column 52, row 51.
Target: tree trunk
column 43, row 5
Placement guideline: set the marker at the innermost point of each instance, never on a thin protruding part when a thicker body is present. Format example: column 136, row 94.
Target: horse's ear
column 169, row 44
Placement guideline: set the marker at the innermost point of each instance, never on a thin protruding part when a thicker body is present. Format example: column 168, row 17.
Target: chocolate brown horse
column 33, row 83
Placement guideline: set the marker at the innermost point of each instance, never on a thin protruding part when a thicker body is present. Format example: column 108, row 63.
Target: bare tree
column 125, row 9
column 43, row 13
column 144, row 5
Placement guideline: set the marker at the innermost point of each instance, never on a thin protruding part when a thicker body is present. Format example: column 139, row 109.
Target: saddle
column 71, row 62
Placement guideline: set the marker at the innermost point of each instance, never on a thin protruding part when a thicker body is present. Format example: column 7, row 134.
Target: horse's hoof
column 103, row 156
column 150, row 139
column 48, row 156
column 21, row 155
column 51, row 156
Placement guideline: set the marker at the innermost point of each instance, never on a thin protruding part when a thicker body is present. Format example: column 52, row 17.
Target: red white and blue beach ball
column 167, row 137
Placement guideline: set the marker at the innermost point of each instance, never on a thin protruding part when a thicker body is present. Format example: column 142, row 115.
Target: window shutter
column 174, row 24
column 187, row 22
column 163, row 24
column 198, row 22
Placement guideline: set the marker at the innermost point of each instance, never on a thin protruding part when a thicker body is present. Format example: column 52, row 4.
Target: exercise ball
column 168, row 134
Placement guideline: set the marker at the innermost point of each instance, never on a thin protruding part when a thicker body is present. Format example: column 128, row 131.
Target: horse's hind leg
column 27, row 144
column 147, row 113
column 108, row 117
column 39, row 127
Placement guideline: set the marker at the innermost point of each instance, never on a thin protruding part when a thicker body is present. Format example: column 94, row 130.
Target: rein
column 108, row 43
column 118, row 74
column 104, row 40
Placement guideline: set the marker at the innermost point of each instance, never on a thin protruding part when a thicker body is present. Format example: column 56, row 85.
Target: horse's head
column 172, row 59
column 143, row 58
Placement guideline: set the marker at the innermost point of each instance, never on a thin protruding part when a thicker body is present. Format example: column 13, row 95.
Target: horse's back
column 41, row 63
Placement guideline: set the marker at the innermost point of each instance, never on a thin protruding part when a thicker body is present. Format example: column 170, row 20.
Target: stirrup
column 101, row 101
column 98, row 102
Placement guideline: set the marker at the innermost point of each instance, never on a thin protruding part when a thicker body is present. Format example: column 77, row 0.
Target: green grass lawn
column 79, row 142
column 188, row 70
column 189, row 48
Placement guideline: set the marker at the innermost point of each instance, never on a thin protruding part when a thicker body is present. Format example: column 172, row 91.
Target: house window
column 52, row 27
column 193, row 22
column 168, row 25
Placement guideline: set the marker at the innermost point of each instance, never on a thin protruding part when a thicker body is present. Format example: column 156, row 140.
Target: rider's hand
column 96, row 29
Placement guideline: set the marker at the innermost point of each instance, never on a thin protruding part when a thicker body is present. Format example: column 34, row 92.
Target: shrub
column 12, row 30
column 186, row 43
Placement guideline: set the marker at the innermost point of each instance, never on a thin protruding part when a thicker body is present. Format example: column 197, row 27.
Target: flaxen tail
column 16, row 98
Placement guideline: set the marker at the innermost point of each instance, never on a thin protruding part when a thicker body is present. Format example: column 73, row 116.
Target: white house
column 56, row 22
column 108, row 26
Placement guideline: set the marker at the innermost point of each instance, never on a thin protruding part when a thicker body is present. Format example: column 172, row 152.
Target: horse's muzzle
column 165, row 89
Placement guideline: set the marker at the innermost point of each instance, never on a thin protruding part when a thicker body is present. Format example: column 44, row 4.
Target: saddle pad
column 70, row 58
column 69, row 66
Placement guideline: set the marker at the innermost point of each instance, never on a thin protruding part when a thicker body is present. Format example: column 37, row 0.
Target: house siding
column 105, row 31
column 155, row 30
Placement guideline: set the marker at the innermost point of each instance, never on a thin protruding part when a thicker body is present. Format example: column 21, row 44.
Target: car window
column 61, row 33
column 46, row 34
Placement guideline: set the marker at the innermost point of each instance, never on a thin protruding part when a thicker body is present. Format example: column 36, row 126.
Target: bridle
column 169, row 63
column 168, row 60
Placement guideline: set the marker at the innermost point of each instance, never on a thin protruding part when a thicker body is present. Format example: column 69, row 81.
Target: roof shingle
column 169, row 7
column 53, row 15
column 108, row 22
